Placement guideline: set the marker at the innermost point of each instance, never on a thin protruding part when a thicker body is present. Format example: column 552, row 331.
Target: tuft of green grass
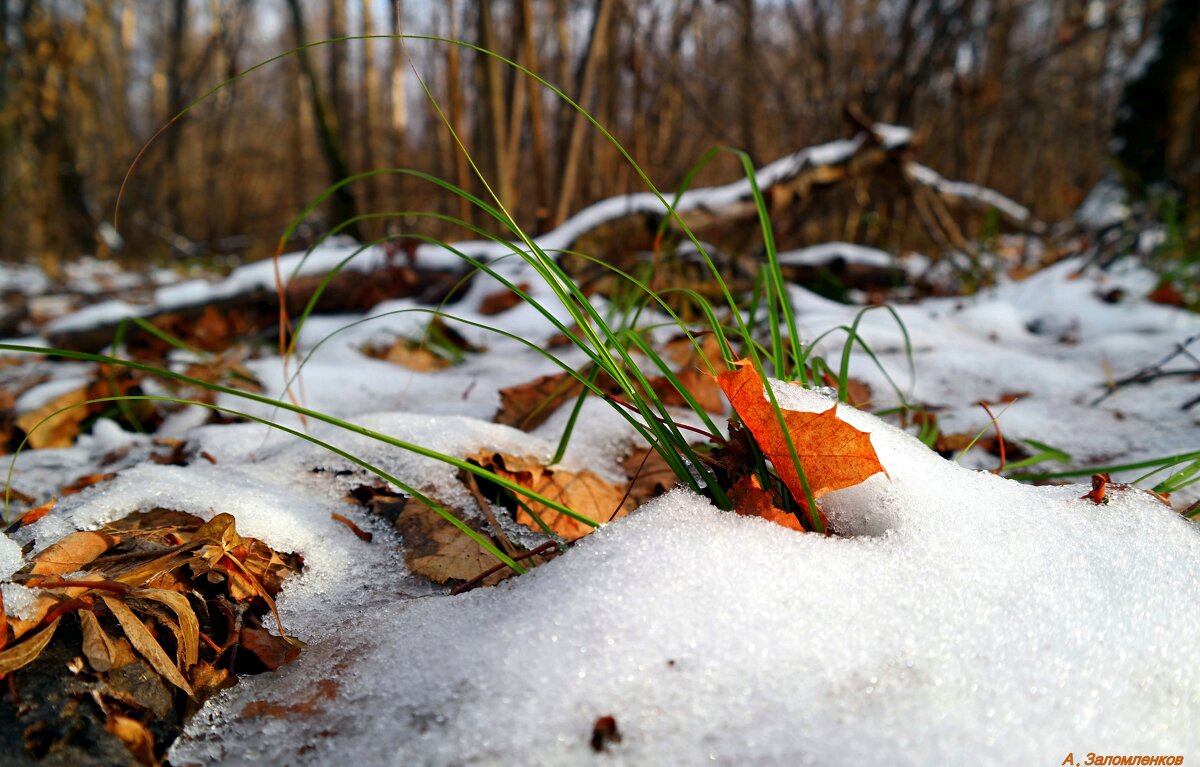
column 759, row 326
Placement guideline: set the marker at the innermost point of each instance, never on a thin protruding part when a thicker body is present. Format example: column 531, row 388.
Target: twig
column 999, row 436
column 1155, row 371
column 486, row 508
column 478, row 579
column 629, row 487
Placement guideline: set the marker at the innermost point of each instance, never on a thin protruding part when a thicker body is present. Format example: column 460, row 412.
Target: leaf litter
column 529, row 465
column 180, row 598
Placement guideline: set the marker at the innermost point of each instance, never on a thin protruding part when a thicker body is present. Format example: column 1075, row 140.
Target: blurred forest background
column 1022, row 96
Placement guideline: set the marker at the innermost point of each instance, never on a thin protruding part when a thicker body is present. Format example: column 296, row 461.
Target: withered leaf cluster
column 132, row 627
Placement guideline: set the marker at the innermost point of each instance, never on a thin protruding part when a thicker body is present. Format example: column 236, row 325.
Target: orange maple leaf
column 833, row 453
column 751, row 500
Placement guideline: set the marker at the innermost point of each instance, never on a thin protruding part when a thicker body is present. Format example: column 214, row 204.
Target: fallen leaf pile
column 833, row 454
column 132, row 627
column 437, row 549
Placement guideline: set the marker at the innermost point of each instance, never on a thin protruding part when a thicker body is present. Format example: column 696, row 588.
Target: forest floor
column 954, row 614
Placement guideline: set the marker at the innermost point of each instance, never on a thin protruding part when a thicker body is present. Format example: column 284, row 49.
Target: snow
column 97, row 315
column 22, row 278
column 969, row 191
column 43, row 394
column 970, row 618
column 11, row 561
column 957, row 618
column 1105, row 206
column 820, row 255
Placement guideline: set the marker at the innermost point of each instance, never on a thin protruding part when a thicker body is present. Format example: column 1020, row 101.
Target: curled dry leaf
column 62, row 429
column 33, row 515
column 833, row 453
column 361, row 534
column 98, row 646
column 189, row 626
column 146, row 645
column 26, row 652
column 72, row 553
column 136, row 737
column 584, row 492
column 271, row 650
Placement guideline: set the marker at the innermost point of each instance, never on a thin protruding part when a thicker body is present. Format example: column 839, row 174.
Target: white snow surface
column 969, row 619
column 957, row 618
column 819, row 255
column 969, row 191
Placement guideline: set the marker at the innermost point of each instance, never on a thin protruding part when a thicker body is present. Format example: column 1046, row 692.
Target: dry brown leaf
column 528, row 405
column 584, row 492
column 72, row 553
column 98, row 646
column 694, row 375
column 271, row 650
column 62, row 429
column 33, row 515
column 325, row 690
column 501, row 300
column 650, row 475
column 437, row 549
column 146, row 645
column 207, row 679
column 189, row 626
column 26, row 652
column 136, row 737
column 359, row 533
column 84, row 482
column 227, row 368
column 226, row 552
column 269, row 567
column 561, row 339
column 410, row 354
column 833, row 453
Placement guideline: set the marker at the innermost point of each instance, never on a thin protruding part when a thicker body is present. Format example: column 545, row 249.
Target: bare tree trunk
column 399, row 112
column 454, row 84
column 536, row 125
column 370, row 100
column 748, row 94
column 345, row 207
column 494, row 123
column 174, row 85
column 595, row 52
column 336, row 86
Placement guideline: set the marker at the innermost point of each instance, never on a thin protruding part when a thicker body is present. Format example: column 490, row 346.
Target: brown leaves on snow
column 180, row 596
